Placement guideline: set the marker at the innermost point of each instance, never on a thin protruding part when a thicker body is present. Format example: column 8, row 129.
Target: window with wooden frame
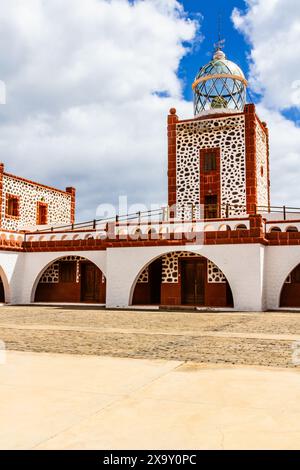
column 42, row 213
column 12, row 206
column 67, row 271
column 210, row 161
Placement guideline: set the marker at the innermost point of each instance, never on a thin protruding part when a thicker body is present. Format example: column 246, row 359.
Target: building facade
column 25, row 204
column 217, row 244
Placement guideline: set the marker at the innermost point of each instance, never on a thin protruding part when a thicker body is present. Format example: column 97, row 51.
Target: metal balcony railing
column 190, row 212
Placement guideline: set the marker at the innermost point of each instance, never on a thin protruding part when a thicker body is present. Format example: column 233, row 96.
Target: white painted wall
column 11, row 270
column 243, row 265
column 255, row 273
column 280, row 261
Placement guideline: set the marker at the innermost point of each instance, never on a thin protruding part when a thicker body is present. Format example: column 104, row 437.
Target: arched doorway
column 2, row 293
column 71, row 279
column 182, row 278
column 290, row 292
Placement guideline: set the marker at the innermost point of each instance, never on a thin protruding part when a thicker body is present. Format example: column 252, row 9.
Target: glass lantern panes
column 217, row 92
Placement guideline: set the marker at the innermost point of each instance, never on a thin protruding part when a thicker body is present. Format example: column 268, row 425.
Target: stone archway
column 73, row 279
column 4, row 288
column 290, row 292
column 182, row 278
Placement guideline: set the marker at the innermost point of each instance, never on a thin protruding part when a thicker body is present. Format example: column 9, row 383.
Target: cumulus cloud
column 89, row 85
column 272, row 27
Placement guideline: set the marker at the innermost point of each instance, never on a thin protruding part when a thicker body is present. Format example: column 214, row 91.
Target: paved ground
column 178, row 380
column 266, row 339
column 58, row 401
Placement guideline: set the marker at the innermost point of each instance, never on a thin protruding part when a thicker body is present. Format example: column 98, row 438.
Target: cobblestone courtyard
column 267, row 339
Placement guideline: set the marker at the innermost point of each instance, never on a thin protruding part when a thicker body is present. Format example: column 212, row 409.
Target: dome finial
column 219, row 45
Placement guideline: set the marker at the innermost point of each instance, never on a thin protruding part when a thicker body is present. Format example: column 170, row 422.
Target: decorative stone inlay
column 170, row 268
column 214, row 274
column 51, row 275
column 261, row 167
column 228, row 134
column 144, row 276
column 59, row 203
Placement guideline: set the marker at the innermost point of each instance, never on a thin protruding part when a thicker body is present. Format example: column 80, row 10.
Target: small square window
column 12, row 206
column 210, row 161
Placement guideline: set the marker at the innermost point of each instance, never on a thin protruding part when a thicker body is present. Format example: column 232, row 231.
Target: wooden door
column 90, row 282
column 211, row 207
column 193, row 282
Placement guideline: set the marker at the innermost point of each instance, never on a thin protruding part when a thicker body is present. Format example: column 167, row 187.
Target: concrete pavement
column 60, row 401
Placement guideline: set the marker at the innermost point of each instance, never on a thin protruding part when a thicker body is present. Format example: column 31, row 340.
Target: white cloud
column 272, row 28
column 284, row 157
column 84, row 94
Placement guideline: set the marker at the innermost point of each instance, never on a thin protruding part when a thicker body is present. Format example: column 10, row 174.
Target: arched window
column 292, row 229
column 224, row 228
column 241, row 227
column 209, row 228
column 275, row 229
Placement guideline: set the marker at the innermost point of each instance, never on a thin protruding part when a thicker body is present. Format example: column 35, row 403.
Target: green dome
column 220, row 66
column 219, row 84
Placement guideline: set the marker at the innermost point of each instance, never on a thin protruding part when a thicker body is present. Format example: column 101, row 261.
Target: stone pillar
column 72, row 191
column 250, row 136
column 172, row 121
column 2, row 215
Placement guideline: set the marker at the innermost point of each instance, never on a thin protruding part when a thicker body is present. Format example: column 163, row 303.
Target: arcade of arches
column 71, row 279
column 182, row 278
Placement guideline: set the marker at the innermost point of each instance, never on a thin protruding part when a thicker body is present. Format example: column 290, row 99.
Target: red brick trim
column 72, row 191
column 281, row 221
column 234, row 237
column 250, row 136
column 1, row 193
column 210, row 238
column 25, row 180
column 210, row 181
column 172, row 122
column 283, row 238
column 254, row 235
column 7, row 215
column 268, row 164
column 210, row 116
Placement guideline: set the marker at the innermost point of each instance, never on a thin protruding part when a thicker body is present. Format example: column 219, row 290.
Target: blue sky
column 90, row 84
column 236, row 47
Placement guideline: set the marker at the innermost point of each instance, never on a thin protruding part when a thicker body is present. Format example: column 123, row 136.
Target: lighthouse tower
column 218, row 161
